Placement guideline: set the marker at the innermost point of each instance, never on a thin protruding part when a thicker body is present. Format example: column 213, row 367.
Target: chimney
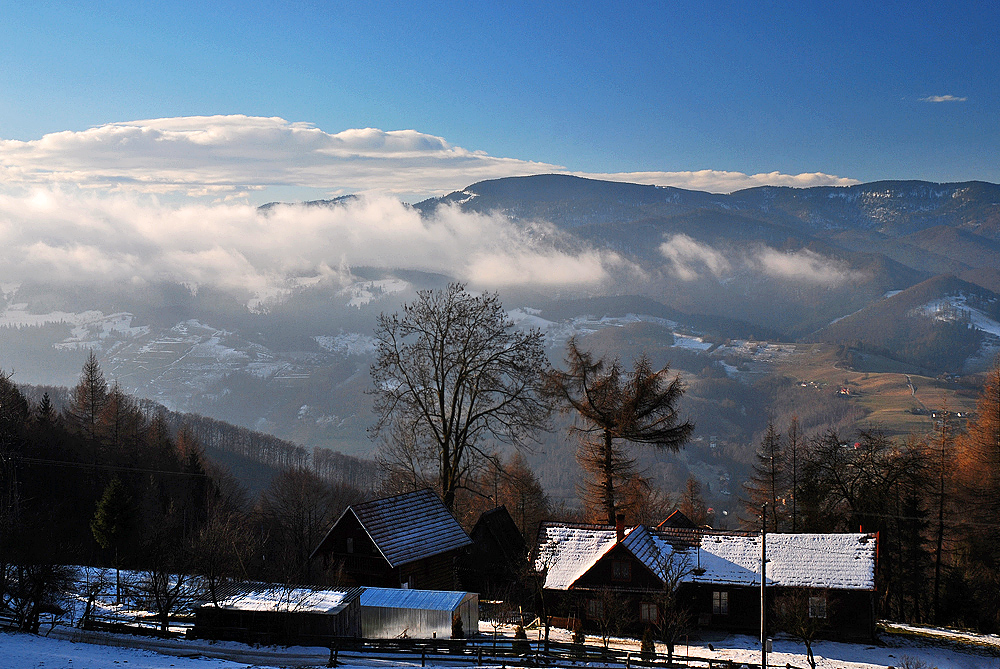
column 620, row 526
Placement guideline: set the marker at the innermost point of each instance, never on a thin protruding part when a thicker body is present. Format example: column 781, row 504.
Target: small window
column 817, row 607
column 595, row 609
column 720, row 603
column 621, row 570
column 350, row 544
column 648, row 613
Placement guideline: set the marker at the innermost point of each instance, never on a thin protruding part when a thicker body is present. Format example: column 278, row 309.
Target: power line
column 120, row 468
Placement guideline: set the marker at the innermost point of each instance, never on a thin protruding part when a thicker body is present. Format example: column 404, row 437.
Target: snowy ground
column 22, row 651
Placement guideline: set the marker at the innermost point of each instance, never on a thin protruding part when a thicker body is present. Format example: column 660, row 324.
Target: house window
column 817, row 607
column 350, row 544
column 595, row 609
column 720, row 603
column 621, row 570
column 648, row 613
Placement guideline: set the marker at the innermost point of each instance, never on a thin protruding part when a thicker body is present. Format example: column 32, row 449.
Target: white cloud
column 226, row 157
column 690, row 259
column 68, row 235
column 717, row 181
column 204, row 155
column 803, row 266
column 943, row 98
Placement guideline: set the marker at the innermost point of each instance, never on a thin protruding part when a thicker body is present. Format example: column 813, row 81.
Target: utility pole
column 763, row 587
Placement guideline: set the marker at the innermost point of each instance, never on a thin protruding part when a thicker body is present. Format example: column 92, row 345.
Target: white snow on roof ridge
column 837, row 561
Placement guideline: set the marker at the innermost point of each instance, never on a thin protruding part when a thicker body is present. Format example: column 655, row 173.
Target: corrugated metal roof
column 842, row 561
column 396, row 598
column 267, row 597
column 410, row 527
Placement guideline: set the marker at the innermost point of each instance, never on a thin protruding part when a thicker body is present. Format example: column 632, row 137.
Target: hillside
column 938, row 325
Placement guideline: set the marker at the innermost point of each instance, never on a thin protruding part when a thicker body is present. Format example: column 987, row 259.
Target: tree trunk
column 609, row 482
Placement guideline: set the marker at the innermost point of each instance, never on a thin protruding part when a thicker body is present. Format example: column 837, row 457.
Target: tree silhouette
column 616, row 406
column 451, row 373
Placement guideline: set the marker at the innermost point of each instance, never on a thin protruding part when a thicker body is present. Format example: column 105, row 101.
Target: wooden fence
column 480, row 650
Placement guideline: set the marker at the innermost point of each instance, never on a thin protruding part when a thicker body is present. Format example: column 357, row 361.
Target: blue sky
column 844, row 89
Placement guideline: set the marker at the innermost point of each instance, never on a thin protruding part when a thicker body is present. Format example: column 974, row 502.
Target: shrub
column 647, row 651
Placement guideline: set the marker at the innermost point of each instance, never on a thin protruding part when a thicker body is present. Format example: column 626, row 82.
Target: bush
column 647, row 651
column 578, row 635
column 521, row 645
column 457, row 632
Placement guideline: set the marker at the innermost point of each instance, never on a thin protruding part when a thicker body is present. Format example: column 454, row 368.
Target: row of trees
column 932, row 500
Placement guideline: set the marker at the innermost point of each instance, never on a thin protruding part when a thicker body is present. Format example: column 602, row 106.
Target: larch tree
column 87, row 400
column 452, row 376
column 617, row 408
column 979, row 474
column 767, row 482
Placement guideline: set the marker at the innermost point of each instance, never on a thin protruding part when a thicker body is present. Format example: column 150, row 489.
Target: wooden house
column 716, row 574
column 496, row 561
column 405, row 541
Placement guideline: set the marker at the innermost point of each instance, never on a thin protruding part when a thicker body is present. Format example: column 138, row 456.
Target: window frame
column 595, row 609
column 817, row 607
column 621, row 570
column 720, row 602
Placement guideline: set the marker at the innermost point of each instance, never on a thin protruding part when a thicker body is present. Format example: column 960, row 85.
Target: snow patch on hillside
column 956, row 307
column 365, row 292
column 88, row 329
column 689, row 341
column 349, row 343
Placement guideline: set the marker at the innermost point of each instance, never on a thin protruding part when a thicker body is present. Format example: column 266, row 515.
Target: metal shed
column 388, row 613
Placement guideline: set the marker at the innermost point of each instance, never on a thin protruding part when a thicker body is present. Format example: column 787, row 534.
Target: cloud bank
column 689, row 260
column 240, row 156
column 67, row 235
column 716, row 181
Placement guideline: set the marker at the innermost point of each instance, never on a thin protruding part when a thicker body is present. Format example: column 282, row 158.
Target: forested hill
column 253, row 458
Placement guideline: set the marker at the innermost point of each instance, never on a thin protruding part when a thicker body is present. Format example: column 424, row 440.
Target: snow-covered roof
column 567, row 552
column 290, row 600
column 399, row 598
column 841, row 561
column 408, row 527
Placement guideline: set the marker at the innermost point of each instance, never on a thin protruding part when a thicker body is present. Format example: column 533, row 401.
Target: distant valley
column 764, row 300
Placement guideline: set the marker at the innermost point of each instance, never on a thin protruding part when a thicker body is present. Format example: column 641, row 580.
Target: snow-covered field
column 23, row 651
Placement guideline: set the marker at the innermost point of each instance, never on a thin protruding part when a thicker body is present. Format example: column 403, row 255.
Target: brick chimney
column 620, row 526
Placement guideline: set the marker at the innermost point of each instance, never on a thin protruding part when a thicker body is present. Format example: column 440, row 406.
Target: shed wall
column 378, row 622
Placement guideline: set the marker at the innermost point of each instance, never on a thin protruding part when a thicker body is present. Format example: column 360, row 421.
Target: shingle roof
column 842, row 561
column 567, row 552
column 498, row 524
column 410, row 527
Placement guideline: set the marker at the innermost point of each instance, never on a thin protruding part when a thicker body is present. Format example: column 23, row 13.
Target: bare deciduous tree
column 452, row 372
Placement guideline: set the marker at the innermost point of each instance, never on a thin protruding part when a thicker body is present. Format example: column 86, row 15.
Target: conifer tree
column 87, row 400
column 767, row 482
column 618, row 408
column 112, row 523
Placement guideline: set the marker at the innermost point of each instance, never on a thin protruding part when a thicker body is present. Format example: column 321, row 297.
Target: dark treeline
column 109, row 481
column 933, row 502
